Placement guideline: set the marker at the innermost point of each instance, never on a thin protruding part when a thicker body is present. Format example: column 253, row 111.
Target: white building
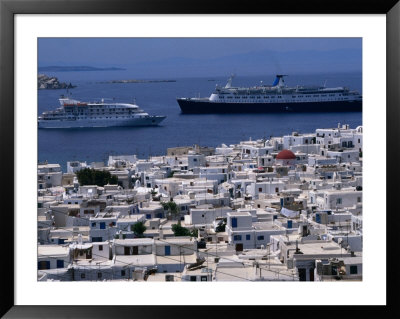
column 103, row 226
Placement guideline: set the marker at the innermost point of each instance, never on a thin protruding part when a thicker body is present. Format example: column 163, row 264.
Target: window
column 247, row 237
column 44, row 264
column 193, row 278
column 358, row 199
column 260, row 189
column 123, row 273
column 338, row 201
column 203, row 278
column 83, row 276
column 237, row 237
column 100, row 247
column 353, row 270
column 99, row 275
column 93, row 224
column 260, row 237
column 60, row 263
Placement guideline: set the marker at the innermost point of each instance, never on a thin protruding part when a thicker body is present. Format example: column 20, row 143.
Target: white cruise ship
column 74, row 113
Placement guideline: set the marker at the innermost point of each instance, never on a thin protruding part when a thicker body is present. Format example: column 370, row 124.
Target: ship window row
column 304, row 100
column 277, row 96
column 103, row 117
column 274, row 96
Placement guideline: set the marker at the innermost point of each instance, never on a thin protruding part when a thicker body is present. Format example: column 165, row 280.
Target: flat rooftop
column 319, row 248
column 239, row 214
column 133, row 242
column 266, row 226
column 176, row 240
column 52, row 250
column 129, row 218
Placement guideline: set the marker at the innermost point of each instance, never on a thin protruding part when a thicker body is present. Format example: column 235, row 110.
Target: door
column 311, row 274
column 135, row 250
column 239, row 247
column 302, row 274
column 127, row 250
column 234, row 222
column 167, row 250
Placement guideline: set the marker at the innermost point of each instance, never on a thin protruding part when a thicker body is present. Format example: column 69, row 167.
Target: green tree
column 138, row 228
column 182, row 231
column 179, row 230
column 90, row 176
column 172, row 208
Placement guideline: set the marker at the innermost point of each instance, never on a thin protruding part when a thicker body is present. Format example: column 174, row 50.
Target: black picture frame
column 8, row 10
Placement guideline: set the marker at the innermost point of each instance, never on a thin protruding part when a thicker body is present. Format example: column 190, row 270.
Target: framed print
column 149, row 145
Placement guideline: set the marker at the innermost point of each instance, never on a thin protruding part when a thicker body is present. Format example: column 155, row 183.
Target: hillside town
column 280, row 209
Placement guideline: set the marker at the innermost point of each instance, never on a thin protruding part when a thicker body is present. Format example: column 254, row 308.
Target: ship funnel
column 229, row 83
column 279, row 82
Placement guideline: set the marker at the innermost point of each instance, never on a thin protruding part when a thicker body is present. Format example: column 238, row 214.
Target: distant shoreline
column 135, row 81
column 76, row 69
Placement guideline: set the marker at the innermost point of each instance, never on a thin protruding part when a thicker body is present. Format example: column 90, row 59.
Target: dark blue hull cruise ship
column 276, row 98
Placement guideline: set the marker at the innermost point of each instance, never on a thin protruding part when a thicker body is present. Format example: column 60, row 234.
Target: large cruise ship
column 277, row 97
column 74, row 113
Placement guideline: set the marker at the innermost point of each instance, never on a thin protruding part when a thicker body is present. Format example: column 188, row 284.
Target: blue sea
column 159, row 98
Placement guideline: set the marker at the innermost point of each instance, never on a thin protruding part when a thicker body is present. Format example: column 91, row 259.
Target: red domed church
column 286, row 157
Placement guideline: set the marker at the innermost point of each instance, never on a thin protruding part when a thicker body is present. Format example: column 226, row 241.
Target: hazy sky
column 205, row 56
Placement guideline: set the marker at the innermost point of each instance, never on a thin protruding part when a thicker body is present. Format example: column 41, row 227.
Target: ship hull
column 149, row 121
column 189, row 106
